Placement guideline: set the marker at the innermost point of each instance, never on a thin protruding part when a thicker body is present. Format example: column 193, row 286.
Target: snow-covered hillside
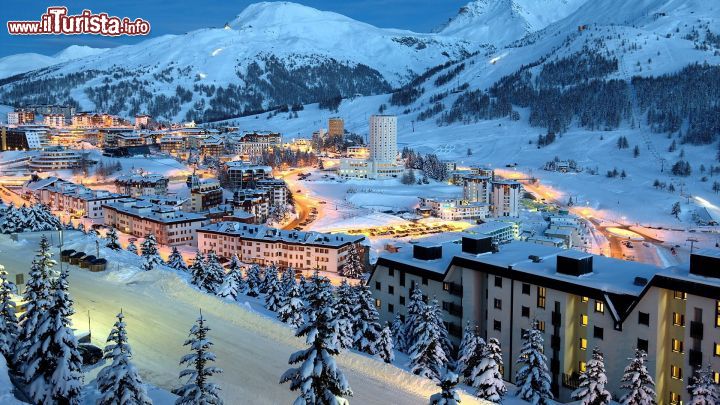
column 25, row 62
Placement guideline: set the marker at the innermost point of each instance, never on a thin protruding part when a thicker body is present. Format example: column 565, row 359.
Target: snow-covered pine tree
column 131, row 247
column 427, row 356
column 119, row 382
column 317, row 376
column 214, row 273
column 415, row 309
column 150, row 255
column 53, row 364
column 270, row 274
column 703, row 389
column 346, row 305
column 291, row 307
column 448, row 386
column 485, row 377
column 252, row 280
column 233, row 284
column 9, row 328
column 367, row 329
column 470, row 352
column 304, row 285
column 593, row 381
column 385, row 346
column 288, row 278
column 176, row 260
column 111, row 238
column 37, row 301
column 532, row 377
column 398, row 332
column 197, row 269
column 638, row 382
column 274, row 292
column 353, row 265
column 198, row 388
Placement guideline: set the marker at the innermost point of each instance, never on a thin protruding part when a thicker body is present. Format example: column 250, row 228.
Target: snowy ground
column 251, row 347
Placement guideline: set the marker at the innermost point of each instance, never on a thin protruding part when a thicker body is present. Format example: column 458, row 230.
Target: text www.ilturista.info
column 57, row 21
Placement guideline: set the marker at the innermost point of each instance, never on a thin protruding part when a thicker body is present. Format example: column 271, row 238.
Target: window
column 584, row 299
column 425, row 281
column 525, row 312
column 526, row 290
column 716, row 377
column 402, row 279
column 643, row 318
column 498, row 282
column 600, row 307
column 541, row 326
column 541, row 297
column 676, row 372
column 680, row 295
column 677, row 345
column 583, row 319
column 391, row 308
column 497, row 303
column 378, row 304
column 583, row 344
column 446, row 286
column 674, row 398
column 391, row 290
column 642, row 344
column 598, row 333
column 402, row 318
column 377, row 286
column 716, row 350
column 678, row 319
column 402, row 300
column 582, row 366
column 497, row 325
column 717, row 314
column 391, row 272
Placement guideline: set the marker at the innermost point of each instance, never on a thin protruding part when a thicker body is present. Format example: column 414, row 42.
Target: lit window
column 674, row 398
column 677, row 346
column 378, row 304
column 583, row 319
column 541, row 326
column 599, row 306
column 541, row 292
column 582, row 366
column 676, row 372
column 716, row 377
column 583, row 344
column 717, row 350
column 680, row 295
column 678, row 319
column 584, row 299
column 717, row 314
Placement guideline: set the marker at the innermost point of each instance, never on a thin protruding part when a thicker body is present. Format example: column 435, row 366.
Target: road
column 304, row 202
column 252, row 349
column 9, row 196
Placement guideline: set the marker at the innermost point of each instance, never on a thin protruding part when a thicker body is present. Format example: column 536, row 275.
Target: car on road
column 298, row 191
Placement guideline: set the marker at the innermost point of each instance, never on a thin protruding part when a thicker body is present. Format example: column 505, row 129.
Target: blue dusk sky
column 177, row 17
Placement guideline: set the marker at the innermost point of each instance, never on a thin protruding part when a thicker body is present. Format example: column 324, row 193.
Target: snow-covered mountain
column 500, row 22
column 25, row 62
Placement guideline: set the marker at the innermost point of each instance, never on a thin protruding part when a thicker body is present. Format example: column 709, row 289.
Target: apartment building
column 253, row 201
column 213, row 146
column 78, row 201
column 260, row 244
column 453, row 209
column 506, row 198
column 204, row 194
column 252, row 144
column 139, row 218
column 581, row 301
column 54, row 120
column 141, row 184
column 499, row 231
column 278, row 190
column 20, row 117
column 18, row 139
column 172, row 145
column 242, row 174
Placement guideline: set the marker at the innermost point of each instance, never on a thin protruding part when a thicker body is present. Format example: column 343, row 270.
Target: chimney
column 706, row 263
column 574, row 263
column 476, row 244
column 427, row 251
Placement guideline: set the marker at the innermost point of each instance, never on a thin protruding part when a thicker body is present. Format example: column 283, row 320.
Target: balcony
column 455, row 289
column 556, row 318
column 453, row 309
column 555, row 342
column 695, row 358
column 571, row 380
column 696, row 330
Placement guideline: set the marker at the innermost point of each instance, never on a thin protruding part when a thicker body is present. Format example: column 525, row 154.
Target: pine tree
column 291, row 307
column 448, row 394
column 317, row 376
column 470, row 351
column 37, row 301
column 346, row 309
column 150, row 255
column 269, row 276
column 176, row 260
column 288, row 278
column 252, row 279
column 676, row 210
column 233, row 284
column 485, row 377
column 385, row 345
column 131, row 247
column 703, row 389
column 214, row 274
column 112, row 240
column 198, row 388
column 119, row 382
column 637, row 380
column 53, row 364
column 367, row 329
column 274, row 292
column 427, row 355
column 398, row 332
column 353, row 266
column 415, row 308
column 533, row 377
column 9, row 328
column 592, row 389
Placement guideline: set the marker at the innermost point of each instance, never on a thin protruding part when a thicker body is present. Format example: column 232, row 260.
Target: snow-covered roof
column 268, row 234
column 153, row 212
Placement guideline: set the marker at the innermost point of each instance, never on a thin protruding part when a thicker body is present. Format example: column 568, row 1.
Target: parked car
column 91, row 354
